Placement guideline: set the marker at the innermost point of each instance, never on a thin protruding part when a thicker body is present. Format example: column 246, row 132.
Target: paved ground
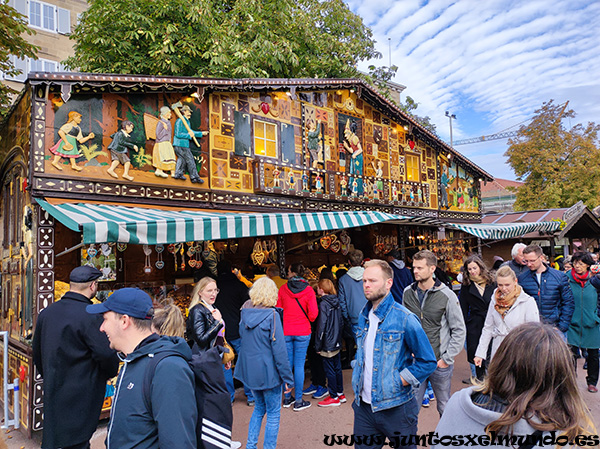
column 306, row 429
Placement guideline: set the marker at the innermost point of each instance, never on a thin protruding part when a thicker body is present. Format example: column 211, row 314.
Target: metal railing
column 6, row 387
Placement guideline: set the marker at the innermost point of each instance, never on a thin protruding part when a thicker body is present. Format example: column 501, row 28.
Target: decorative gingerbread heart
column 265, row 107
column 411, row 144
column 345, row 249
column 92, row 252
column 258, row 258
column 336, row 246
column 121, row 247
column 345, row 238
column 159, row 264
column 159, row 248
column 192, row 263
column 325, row 241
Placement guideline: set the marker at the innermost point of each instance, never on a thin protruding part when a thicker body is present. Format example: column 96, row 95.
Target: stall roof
column 580, row 221
column 140, row 225
column 505, row 230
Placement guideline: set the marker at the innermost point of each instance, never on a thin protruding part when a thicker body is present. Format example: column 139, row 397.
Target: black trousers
column 315, row 363
column 333, row 371
column 394, row 423
column 593, row 365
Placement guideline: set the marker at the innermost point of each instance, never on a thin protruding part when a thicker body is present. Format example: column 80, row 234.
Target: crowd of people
column 523, row 324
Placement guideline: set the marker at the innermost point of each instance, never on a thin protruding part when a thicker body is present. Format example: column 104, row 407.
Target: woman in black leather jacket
column 204, row 323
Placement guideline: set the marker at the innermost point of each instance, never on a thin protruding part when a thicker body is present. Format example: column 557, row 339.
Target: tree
column 222, row 38
column 560, row 166
column 12, row 26
column 411, row 105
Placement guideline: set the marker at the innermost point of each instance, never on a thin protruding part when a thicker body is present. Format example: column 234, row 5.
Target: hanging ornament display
column 92, row 251
column 147, row 251
column 159, row 264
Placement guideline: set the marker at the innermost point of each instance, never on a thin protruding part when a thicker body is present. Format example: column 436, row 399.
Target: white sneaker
column 236, row 445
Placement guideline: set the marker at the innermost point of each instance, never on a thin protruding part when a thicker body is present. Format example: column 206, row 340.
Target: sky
column 492, row 63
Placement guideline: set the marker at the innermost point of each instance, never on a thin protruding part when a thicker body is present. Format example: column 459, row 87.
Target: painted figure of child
column 121, row 143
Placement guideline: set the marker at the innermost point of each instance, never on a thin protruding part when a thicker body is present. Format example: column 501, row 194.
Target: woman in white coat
column 510, row 306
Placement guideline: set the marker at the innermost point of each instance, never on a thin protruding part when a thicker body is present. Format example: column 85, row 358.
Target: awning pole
column 70, row 250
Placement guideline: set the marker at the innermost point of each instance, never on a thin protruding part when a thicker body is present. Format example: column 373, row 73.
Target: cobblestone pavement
column 306, row 429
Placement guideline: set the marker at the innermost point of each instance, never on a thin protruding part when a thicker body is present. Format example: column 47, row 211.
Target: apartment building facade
column 52, row 21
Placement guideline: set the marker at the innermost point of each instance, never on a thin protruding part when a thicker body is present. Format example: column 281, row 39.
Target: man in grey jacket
column 441, row 317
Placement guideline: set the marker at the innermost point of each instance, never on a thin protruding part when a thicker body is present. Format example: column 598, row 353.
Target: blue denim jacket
column 401, row 349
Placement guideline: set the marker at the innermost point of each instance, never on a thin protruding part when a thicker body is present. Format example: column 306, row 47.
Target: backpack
column 215, row 417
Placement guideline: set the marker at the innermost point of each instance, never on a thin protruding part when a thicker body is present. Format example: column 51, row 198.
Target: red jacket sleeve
column 313, row 309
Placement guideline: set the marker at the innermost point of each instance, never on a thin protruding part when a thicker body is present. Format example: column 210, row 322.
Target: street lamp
column 450, row 117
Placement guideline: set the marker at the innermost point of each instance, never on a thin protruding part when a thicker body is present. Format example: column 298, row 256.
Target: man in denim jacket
column 393, row 357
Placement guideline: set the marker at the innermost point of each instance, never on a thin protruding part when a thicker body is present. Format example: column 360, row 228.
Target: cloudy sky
column 490, row 62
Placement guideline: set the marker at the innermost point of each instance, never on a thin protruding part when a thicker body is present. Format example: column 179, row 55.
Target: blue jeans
column 296, row 348
column 269, row 402
column 236, row 344
column 440, row 382
column 392, row 423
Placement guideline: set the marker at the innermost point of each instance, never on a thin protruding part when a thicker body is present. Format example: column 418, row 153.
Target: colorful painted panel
column 458, row 188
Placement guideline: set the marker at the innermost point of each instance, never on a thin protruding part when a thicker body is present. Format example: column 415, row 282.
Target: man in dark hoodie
column 233, row 293
column 402, row 275
column 351, row 294
column 170, row 418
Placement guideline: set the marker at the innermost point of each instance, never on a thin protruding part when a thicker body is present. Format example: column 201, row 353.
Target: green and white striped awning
column 113, row 223
column 505, row 230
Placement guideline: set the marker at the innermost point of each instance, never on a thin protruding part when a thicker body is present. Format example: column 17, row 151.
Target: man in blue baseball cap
column 75, row 361
column 169, row 418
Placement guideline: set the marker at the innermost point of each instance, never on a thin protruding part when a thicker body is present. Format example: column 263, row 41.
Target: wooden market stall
column 285, row 169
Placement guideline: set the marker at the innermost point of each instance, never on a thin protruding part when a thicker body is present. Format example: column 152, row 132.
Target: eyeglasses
column 527, row 262
column 216, row 290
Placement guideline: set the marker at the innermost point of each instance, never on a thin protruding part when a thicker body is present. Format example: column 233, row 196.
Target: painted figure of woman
column 163, row 154
column 379, row 174
column 353, row 146
column 68, row 144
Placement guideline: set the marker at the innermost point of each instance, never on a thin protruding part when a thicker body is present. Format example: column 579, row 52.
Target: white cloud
column 496, row 59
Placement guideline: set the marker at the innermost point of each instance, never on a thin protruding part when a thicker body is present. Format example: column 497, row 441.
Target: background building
column 496, row 197
column 53, row 21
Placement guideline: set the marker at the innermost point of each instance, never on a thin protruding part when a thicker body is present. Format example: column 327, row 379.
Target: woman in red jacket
column 299, row 304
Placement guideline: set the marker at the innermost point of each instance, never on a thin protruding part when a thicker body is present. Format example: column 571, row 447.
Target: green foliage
column 379, row 77
column 560, row 166
column 12, row 26
column 409, row 106
column 225, row 39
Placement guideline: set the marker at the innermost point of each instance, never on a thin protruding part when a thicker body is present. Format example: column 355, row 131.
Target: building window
column 413, row 168
column 42, row 15
column 265, row 139
column 42, row 65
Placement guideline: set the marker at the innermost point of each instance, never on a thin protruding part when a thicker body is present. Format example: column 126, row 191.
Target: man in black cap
column 164, row 413
column 75, row 361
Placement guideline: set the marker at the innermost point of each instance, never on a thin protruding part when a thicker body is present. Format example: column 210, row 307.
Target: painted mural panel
column 458, row 188
column 324, row 145
column 149, row 139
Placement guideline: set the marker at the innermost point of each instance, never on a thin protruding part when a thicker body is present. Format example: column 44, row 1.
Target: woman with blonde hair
column 263, row 363
column 530, row 389
column 205, row 327
column 510, row 307
column 168, row 320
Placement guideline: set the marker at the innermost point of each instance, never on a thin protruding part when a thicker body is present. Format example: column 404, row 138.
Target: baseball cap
column 84, row 274
column 133, row 302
